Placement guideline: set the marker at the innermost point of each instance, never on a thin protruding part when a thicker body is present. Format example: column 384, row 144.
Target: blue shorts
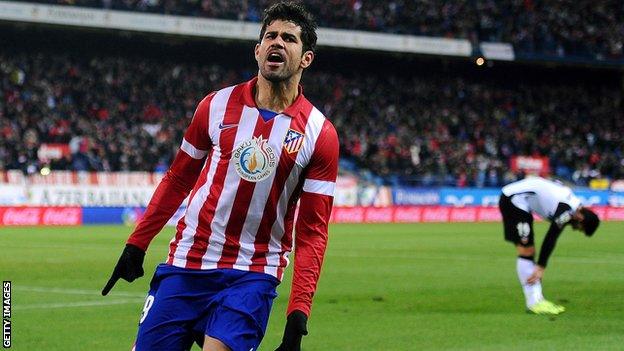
column 183, row 305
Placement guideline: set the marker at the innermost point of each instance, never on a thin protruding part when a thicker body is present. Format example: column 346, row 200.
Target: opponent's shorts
column 518, row 223
column 183, row 305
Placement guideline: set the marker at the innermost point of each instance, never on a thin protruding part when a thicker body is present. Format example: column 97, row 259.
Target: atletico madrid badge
column 293, row 141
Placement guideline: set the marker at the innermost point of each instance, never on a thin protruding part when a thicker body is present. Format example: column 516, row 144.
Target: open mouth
column 275, row 57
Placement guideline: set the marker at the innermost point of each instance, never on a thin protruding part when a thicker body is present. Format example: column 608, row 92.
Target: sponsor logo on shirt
column 293, row 141
column 254, row 159
column 226, row 126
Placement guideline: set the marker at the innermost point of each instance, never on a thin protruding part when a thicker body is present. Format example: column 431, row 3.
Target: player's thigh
column 159, row 330
column 518, row 225
column 240, row 319
column 212, row 344
column 167, row 315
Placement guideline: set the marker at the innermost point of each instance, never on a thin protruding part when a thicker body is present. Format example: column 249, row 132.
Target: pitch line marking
column 42, row 289
column 74, row 304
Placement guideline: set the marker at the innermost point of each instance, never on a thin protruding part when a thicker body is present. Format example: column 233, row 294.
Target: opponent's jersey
column 241, row 210
column 541, row 196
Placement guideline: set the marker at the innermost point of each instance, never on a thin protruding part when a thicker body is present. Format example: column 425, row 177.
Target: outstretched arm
column 172, row 190
column 178, row 181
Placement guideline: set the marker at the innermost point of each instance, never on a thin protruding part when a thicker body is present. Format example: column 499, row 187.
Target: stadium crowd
column 588, row 29
column 129, row 113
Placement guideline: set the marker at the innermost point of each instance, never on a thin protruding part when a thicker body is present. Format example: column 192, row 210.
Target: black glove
column 293, row 332
column 129, row 267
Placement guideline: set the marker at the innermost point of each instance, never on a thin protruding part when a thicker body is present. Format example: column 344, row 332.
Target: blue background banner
column 415, row 196
column 593, row 197
column 111, row 215
column 469, row 196
column 489, row 197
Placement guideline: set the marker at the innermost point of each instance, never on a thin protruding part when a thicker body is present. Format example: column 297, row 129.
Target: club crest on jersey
column 293, row 141
column 254, row 159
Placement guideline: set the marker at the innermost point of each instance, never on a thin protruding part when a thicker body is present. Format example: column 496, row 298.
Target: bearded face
column 280, row 53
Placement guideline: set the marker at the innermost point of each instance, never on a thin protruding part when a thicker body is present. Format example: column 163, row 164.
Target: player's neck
column 276, row 96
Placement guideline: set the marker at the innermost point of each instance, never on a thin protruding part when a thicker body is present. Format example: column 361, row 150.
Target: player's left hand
column 296, row 328
column 129, row 267
column 537, row 275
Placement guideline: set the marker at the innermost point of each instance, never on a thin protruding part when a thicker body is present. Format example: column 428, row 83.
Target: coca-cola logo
column 409, row 214
column 614, row 214
column 349, row 215
column 21, row 216
column 463, row 215
column 379, row 215
column 40, row 216
column 63, row 216
column 439, row 214
column 489, row 215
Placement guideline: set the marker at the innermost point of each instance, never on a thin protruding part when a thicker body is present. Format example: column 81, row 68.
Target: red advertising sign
column 531, row 165
column 407, row 214
column 436, row 214
column 25, row 216
column 349, row 215
column 488, row 214
column 18, row 216
column 464, row 214
column 53, row 151
column 441, row 214
column 613, row 214
column 379, row 215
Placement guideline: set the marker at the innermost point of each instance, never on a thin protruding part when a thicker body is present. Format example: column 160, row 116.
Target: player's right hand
column 129, row 267
column 538, row 274
column 296, row 328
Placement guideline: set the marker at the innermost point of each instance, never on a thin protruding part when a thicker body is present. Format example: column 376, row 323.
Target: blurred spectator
column 580, row 28
column 128, row 114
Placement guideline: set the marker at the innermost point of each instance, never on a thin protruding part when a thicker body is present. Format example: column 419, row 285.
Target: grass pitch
column 383, row 287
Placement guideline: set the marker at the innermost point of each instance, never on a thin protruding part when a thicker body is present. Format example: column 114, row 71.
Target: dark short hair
column 590, row 221
column 297, row 14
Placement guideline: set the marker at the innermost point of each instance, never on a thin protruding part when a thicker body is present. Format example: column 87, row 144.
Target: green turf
column 384, row 287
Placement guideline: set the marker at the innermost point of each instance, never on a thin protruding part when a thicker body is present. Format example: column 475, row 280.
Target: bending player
column 250, row 153
column 551, row 201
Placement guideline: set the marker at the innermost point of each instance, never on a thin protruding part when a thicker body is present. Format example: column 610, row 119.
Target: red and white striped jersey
column 247, row 175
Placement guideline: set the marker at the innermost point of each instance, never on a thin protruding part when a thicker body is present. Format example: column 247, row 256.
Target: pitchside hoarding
column 25, row 216
column 439, row 214
column 74, row 198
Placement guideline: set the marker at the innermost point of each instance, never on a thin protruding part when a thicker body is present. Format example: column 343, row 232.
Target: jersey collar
column 247, row 98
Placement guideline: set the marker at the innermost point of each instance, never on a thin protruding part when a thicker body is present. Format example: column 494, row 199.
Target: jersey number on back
column 524, row 229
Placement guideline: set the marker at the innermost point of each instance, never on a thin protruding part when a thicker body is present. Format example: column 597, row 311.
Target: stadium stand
column 429, row 127
column 566, row 28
